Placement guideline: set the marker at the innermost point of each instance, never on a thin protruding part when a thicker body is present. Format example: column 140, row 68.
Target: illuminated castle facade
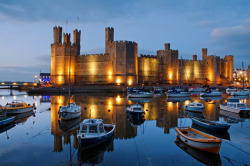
column 120, row 64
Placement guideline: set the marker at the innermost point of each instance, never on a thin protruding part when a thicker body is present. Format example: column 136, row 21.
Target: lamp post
column 35, row 77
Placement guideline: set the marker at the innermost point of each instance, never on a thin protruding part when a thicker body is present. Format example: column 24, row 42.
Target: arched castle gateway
column 120, row 64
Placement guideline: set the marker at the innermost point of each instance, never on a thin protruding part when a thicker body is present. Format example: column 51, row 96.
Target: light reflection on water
column 41, row 138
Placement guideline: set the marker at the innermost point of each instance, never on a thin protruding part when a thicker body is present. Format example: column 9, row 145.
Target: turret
column 109, row 37
column 204, row 54
column 195, row 57
column 77, row 40
column 66, row 37
column 167, row 46
column 57, row 34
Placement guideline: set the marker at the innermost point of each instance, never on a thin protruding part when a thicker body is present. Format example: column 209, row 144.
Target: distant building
column 120, row 64
column 44, row 78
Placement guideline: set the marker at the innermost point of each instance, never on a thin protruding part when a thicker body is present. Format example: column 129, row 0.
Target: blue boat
column 135, row 110
column 211, row 125
column 93, row 132
column 6, row 120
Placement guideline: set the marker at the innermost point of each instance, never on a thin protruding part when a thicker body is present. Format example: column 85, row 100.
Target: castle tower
column 77, row 40
column 66, row 37
column 204, row 54
column 229, row 67
column 167, row 46
column 57, row 34
column 109, row 38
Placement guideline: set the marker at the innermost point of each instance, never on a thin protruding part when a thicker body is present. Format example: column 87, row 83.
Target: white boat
column 195, row 107
column 247, row 89
column 17, row 107
column 233, row 105
column 141, row 95
column 70, row 111
column 211, row 93
column 240, row 93
column 174, row 90
column 196, row 89
column 135, row 110
column 198, row 139
column 230, row 90
column 178, row 94
column 93, row 132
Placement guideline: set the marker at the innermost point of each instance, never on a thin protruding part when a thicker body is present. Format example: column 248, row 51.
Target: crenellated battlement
column 148, row 56
column 93, row 57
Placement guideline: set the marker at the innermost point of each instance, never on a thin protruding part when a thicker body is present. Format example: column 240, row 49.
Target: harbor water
column 42, row 138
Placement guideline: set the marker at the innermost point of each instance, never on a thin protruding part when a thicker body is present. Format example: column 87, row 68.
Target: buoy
column 85, row 108
column 49, row 108
column 101, row 102
column 163, row 100
column 109, row 110
column 146, row 109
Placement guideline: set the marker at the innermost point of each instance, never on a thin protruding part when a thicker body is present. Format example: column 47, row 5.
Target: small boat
column 6, row 120
column 201, row 156
column 70, row 111
column 198, row 139
column 211, row 93
column 196, row 89
column 174, row 89
column 132, row 90
column 178, row 94
column 212, row 125
column 93, row 132
column 233, row 105
column 135, row 110
column 240, row 93
column 247, row 89
column 141, row 95
column 158, row 90
column 230, row 90
column 18, row 107
column 195, row 107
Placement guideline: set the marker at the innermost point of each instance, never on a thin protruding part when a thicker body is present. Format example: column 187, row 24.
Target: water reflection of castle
column 111, row 110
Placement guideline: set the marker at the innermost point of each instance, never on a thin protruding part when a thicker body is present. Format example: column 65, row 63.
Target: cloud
column 234, row 39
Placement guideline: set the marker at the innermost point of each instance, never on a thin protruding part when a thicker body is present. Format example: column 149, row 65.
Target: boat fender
column 108, row 110
column 146, row 109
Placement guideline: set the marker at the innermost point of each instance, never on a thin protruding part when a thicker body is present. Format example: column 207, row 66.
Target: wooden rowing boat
column 198, row 139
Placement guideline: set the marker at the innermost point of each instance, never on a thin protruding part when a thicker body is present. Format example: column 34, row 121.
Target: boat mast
column 181, row 72
column 243, row 74
column 215, row 70
column 69, row 70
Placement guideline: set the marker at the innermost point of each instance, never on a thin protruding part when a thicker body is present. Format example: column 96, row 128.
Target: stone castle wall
column 120, row 64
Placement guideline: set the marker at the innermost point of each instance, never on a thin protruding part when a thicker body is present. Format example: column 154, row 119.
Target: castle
column 120, row 64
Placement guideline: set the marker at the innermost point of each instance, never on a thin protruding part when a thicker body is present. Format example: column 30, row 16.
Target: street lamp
column 35, row 77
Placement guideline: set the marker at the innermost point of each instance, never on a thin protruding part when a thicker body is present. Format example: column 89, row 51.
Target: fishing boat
column 93, row 132
column 140, row 95
column 240, row 93
column 72, row 110
column 17, row 107
column 201, row 156
column 135, row 110
column 198, row 139
column 195, row 107
column 233, row 105
column 212, row 125
column 6, row 120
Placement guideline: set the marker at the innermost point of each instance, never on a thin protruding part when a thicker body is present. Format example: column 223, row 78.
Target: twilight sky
column 26, row 29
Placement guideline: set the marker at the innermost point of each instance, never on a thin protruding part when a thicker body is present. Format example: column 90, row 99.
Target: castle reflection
column 112, row 110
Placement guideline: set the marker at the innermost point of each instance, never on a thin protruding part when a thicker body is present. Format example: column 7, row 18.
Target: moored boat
column 198, row 139
column 135, row 110
column 211, row 93
column 141, row 95
column 70, row 111
column 93, row 132
column 178, row 94
column 17, row 107
column 6, row 120
column 233, row 105
column 211, row 125
column 196, row 89
column 195, row 107
column 240, row 93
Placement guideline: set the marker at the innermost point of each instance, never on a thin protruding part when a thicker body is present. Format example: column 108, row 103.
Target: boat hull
column 216, row 127
column 88, row 142
column 212, row 94
column 212, row 147
column 194, row 109
column 181, row 94
column 239, row 93
column 234, row 110
column 18, row 110
column 7, row 120
column 136, row 95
